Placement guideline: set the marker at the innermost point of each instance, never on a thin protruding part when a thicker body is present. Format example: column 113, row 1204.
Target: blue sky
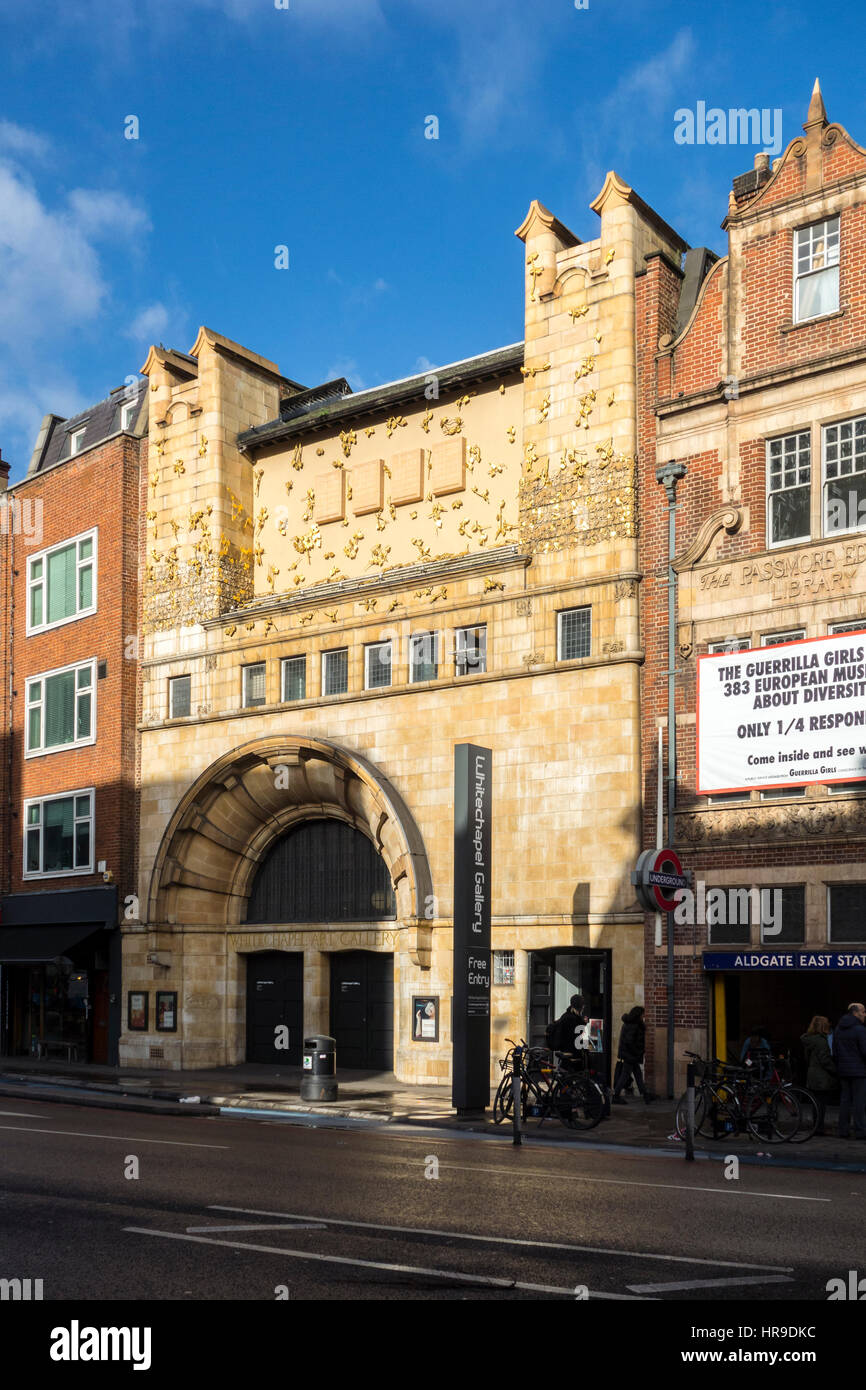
column 305, row 127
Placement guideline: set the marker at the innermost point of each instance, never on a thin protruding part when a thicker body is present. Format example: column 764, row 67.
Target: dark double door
column 362, row 1009
column 275, row 999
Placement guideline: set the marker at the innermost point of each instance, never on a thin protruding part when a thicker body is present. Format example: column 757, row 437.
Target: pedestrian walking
column 632, row 1046
column 850, row 1051
column 560, row 1036
column 822, row 1078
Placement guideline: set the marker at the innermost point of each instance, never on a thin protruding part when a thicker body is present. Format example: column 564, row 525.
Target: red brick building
column 752, row 374
column 72, row 534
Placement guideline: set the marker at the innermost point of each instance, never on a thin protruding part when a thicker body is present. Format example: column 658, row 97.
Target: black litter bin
column 319, row 1081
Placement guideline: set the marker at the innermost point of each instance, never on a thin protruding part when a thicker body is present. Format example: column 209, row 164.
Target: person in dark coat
column 632, row 1045
column 822, row 1078
column 849, row 1046
column 567, row 1025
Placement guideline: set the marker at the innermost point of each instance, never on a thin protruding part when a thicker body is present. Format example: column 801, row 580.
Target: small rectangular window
column 470, row 651
column 846, row 912
column 783, row 915
column 423, row 656
column 254, row 684
column 789, row 488
column 61, row 583
column 729, row 916
column 775, row 639
column 295, row 678
column 503, row 967
column 179, row 694
column 335, row 672
column 573, row 634
column 856, row 625
column 58, row 834
column 60, row 709
column 128, row 413
column 377, row 665
column 76, row 442
column 845, row 476
column 816, row 270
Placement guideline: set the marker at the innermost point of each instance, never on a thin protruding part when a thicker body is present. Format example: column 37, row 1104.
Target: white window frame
column 368, row 650
column 92, row 560
column 432, row 638
column 769, row 492
column 853, row 421
column 825, row 223
column 474, row 670
column 796, row 634
column 184, row 675
column 284, row 662
column 128, row 413
column 330, row 694
column 245, row 675
column 42, row 801
column 76, row 441
column 849, row 625
column 578, row 608
column 76, row 742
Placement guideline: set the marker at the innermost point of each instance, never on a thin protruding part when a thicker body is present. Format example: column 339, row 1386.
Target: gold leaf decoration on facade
column 151, row 516
column 347, row 439
column 273, row 571
column 579, row 312
column 350, row 549
column 259, row 554
column 202, row 448
column 463, row 401
column 282, row 525
column 299, row 579
column 492, row 584
column 332, row 614
column 501, row 389
column 425, row 421
column 485, row 495
column 268, row 625
column 512, row 434
column 533, row 371
column 305, row 620
column 250, row 627
column 230, row 631
column 392, row 510
column 338, row 463
column 348, row 494
column 381, row 523
column 586, row 366
column 436, row 514
column 370, row 431
column 380, row 555
column 534, row 271
column 258, row 474
column 328, row 555
column 456, row 506
column 611, row 400
column 262, row 517
column 474, row 457
column 423, row 550
column 336, row 573
column 395, row 603
column 370, row 605
column 297, row 457
column 179, row 467
column 306, row 544
column 543, row 410
column 503, row 526
column 395, row 422
column 495, row 468
column 610, row 255
column 413, row 516
column 422, row 593
column 449, row 426
column 319, row 451
column 310, row 505
column 160, row 447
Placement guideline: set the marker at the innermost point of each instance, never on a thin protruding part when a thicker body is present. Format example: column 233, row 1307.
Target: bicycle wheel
column 809, row 1114
column 683, row 1111
column 720, row 1114
column 580, row 1103
column 772, row 1115
column 786, row 1112
column 503, row 1104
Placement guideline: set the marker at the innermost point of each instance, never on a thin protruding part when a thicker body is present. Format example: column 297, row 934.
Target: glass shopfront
column 554, row 976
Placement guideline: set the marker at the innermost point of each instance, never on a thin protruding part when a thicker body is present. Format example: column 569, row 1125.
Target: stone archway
column 229, row 818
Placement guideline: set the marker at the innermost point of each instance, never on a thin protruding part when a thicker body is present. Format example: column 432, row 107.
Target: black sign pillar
column 473, row 959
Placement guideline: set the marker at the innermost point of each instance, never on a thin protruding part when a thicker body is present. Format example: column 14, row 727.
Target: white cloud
column 149, row 324
column 348, row 368
column 96, row 213
column 16, row 141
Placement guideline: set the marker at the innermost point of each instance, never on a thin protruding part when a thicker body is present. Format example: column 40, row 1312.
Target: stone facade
column 496, row 493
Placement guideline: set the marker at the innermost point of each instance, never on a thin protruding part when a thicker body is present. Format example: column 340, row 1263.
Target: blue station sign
column 785, row 960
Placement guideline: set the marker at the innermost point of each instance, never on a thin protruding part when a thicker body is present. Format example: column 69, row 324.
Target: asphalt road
column 227, row 1209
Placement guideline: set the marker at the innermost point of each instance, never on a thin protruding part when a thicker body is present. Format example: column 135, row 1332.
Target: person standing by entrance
column 850, row 1048
column 822, row 1078
column 632, row 1045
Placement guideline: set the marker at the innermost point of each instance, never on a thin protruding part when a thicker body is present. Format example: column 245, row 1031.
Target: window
column 470, row 651
column 254, row 684
column 60, row 709
column 128, row 413
column 729, row 917
column 783, row 793
column 816, row 270
column 61, row 583
column 846, row 912
column 729, row 644
column 573, row 634
column 335, row 672
column 845, row 476
column 423, row 656
column 295, row 678
column 76, row 442
column 783, row 915
column 58, row 834
column 179, row 688
column 503, row 967
column 775, row 639
column 789, row 488
column 857, row 625
column 377, row 665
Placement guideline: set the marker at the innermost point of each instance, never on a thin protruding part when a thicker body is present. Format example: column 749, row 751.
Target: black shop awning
column 36, row 945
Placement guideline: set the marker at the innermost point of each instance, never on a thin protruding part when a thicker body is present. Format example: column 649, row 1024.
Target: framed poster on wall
column 425, row 1018
column 137, row 1009
column 166, row 1010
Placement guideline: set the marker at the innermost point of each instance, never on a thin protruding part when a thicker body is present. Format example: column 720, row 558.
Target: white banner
column 781, row 716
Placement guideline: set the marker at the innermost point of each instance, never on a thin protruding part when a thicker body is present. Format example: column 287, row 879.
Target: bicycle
column 547, row 1089
column 732, row 1100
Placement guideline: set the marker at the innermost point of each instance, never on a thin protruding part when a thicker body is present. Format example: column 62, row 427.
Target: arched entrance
column 218, row 896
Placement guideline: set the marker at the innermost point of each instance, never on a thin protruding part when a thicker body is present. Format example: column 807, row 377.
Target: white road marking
column 708, row 1284
column 728, row 1189
column 505, row 1240
column 122, row 1138
column 488, row 1281
column 264, row 1226
column 19, row 1114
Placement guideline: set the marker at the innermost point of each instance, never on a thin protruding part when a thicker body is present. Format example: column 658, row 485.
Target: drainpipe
column 667, row 477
